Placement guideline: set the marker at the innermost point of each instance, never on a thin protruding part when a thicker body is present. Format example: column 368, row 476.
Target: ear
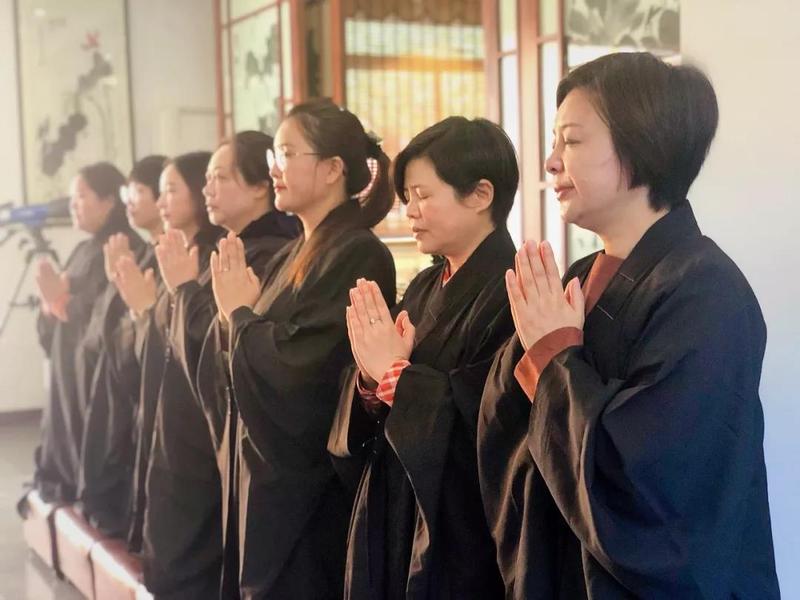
column 482, row 196
column 334, row 169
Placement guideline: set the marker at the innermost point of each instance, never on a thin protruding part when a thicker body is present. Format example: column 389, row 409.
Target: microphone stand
column 40, row 247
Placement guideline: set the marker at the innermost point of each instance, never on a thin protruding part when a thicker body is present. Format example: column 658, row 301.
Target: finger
column 525, row 279
column 537, row 268
column 356, row 325
column 399, row 322
column 214, row 263
column 149, row 276
column 515, row 299
column 224, row 255
column 575, row 296
column 359, row 306
column 348, row 317
column 550, row 267
column 380, row 303
column 236, row 248
column 369, row 302
column 254, row 280
column 408, row 330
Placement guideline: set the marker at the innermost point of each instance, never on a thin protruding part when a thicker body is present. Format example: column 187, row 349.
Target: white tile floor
column 22, row 575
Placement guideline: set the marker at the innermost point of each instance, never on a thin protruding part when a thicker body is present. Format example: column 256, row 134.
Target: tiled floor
column 22, row 575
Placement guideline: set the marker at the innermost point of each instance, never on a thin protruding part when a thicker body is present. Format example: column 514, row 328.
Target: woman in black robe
column 158, row 523
column 67, row 303
column 283, row 345
column 239, row 197
column 621, row 430
column 418, row 529
column 107, row 454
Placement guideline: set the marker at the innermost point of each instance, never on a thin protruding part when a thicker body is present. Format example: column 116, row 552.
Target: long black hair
column 192, row 168
column 334, row 131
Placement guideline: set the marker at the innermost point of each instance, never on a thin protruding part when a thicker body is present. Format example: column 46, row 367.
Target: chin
column 283, row 205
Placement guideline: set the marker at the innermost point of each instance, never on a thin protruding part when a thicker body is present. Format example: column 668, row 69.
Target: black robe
column 150, row 347
column 418, row 529
column 285, row 510
column 637, row 470
column 179, row 511
column 58, row 456
column 107, row 455
column 182, row 527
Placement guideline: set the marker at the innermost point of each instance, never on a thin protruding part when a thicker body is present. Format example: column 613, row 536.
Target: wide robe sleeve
column 429, row 405
column 652, row 472
column 193, row 312
column 291, row 358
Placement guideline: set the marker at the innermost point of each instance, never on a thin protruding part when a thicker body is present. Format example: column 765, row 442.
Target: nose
column 554, row 165
column 412, row 207
column 161, row 202
column 207, row 189
column 274, row 171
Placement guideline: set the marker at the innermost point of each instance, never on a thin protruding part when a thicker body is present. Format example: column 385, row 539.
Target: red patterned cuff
column 368, row 397
column 388, row 385
column 538, row 356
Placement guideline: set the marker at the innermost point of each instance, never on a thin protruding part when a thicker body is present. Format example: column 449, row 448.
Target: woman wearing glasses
column 238, row 197
column 283, row 346
column 178, row 532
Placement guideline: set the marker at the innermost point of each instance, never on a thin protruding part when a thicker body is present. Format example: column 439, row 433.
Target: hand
column 377, row 341
column 115, row 248
column 137, row 289
column 177, row 263
column 53, row 286
column 234, row 283
column 539, row 304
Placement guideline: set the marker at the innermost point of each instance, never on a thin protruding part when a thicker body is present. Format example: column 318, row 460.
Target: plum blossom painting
column 74, row 90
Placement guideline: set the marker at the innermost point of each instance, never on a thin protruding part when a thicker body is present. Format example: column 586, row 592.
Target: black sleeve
column 293, row 357
column 651, row 472
column 193, row 311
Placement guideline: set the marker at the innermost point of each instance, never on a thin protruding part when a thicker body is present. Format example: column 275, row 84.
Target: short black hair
column 147, row 171
column 464, row 151
column 104, row 179
column 662, row 118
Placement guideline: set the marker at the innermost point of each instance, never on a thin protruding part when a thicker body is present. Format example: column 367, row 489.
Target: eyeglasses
column 125, row 194
column 279, row 157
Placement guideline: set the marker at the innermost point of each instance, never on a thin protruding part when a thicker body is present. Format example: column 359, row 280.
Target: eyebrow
column 565, row 125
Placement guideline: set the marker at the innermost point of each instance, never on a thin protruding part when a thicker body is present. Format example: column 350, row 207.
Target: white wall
column 747, row 198
column 172, row 86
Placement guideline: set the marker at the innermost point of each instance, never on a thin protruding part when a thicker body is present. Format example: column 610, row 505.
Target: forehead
column 420, row 171
column 578, row 108
column 169, row 174
column 79, row 184
column 290, row 134
column 222, row 158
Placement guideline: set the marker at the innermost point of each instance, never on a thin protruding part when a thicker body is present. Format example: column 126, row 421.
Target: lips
column 562, row 190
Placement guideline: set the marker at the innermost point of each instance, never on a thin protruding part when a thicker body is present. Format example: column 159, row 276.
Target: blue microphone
column 36, row 215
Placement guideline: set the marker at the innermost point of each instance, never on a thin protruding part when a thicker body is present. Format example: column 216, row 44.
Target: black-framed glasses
column 279, row 157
